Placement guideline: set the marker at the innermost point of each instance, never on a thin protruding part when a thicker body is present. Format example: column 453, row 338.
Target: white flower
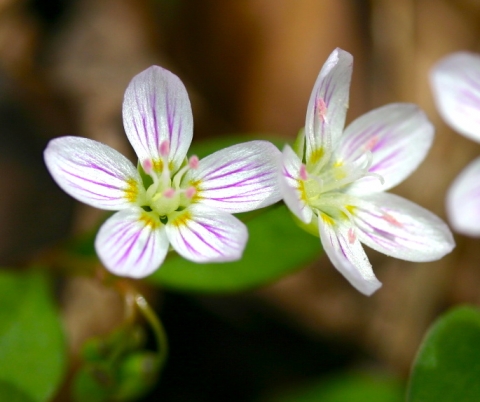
column 335, row 181
column 169, row 199
column 456, row 87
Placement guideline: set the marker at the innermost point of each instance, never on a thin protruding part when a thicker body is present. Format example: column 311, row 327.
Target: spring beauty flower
column 455, row 82
column 170, row 200
column 334, row 180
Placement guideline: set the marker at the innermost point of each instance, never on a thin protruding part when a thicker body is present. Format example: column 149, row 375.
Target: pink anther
column 351, row 236
column 164, row 148
column 190, row 192
column 193, row 162
column 169, row 193
column 147, row 166
column 390, row 219
column 321, row 109
column 303, row 172
column 371, row 143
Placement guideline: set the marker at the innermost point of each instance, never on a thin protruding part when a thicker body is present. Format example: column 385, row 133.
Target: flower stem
column 135, row 301
column 157, row 327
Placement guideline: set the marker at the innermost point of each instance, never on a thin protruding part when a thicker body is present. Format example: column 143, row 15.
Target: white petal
column 156, row 108
column 132, row 243
column 463, row 201
column 291, row 187
column 201, row 234
column 401, row 229
column 93, row 173
column 328, row 105
column 347, row 255
column 239, row 178
column 455, row 83
column 398, row 135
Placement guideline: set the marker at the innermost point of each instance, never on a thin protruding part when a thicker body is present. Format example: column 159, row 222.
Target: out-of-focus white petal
column 93, row 173
column 201, row 234
column 347, row 255
column 156, row 108
column 401, row 229
column 239, row 178
column 328, row 105
column 291, row 185
column 463, row 201
column 132, row 243
column 455, row 82
column 398, row 136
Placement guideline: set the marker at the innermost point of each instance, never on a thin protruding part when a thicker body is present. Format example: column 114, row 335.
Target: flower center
column 324, row 182
column 167, row 194
column 164, row 203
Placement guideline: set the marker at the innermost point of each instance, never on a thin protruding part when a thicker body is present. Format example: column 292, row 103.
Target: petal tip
column 368, row 289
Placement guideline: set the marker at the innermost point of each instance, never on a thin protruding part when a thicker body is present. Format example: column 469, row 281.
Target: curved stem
column 133, row 298
column 156, row 325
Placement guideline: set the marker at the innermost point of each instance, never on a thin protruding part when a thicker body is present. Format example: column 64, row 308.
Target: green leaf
column 94, row 383
column 447, row 367
column 108, row 348
column 347, row 387
column 32, row 347
column 276, row 246
column 114, row 367
column 10, row 393
column 138, row 373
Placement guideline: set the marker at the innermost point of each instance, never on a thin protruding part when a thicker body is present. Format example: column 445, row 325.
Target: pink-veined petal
column 93, row 173
column 132, row 243
column 398, row 136
column 239, row 178
column 328, row 105
column 201, row 234
column 291, row 185
column 399, row 228
column 455, row 82
column 156, row 109
column 463, row 201
column 347, row 255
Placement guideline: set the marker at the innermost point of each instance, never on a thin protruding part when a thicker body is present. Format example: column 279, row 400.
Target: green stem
column 157, row 327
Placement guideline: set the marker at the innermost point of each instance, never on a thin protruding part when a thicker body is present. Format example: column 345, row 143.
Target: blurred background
column 249, row 66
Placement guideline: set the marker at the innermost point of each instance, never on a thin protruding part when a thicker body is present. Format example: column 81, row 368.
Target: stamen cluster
column 166, row 194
